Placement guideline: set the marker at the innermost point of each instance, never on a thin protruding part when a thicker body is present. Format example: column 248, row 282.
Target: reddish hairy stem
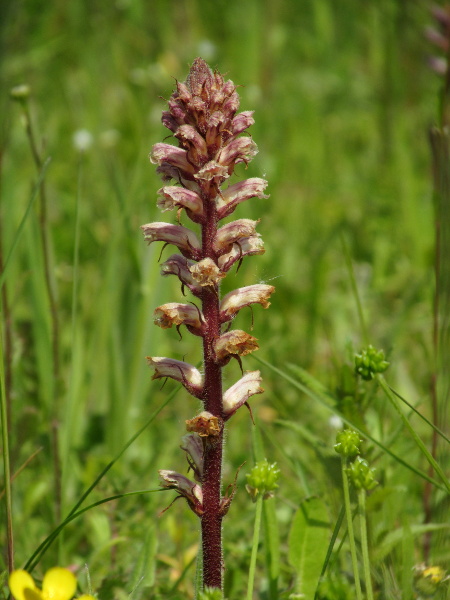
column 211, row 521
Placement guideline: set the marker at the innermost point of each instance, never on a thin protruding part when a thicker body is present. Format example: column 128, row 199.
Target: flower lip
column 234, row 343
column 205, row 424
column 206, row 272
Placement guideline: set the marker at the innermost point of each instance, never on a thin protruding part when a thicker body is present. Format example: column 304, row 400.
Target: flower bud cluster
column 202, row 116
column 348, row 445
column 370, row 362
column 262, row 479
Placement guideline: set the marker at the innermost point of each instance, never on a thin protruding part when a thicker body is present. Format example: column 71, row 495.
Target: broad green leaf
column 308, row 543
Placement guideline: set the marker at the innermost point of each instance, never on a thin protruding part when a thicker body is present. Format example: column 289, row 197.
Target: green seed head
column 370, row 362
column 263, row 479
column 361, row 475
column 348, row 443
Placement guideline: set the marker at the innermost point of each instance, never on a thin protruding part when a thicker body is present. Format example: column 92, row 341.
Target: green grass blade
column 308, row 542
column 326, row 401
column 33, row 197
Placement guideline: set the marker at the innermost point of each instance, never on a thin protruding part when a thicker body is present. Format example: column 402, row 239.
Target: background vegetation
column 343, row 102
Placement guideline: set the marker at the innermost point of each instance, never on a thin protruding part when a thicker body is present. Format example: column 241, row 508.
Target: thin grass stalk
column 255, row 544
column 430, row 458
column 364, row 543
column 6, row 461
column 45, row 242
column 351, row 533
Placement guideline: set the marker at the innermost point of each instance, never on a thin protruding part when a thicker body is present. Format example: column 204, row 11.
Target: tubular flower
column 181, row 267
column 232, row 232
column 240, row 392
column 193, row 446
column 234, row 343
column 181, row 371
column 58, row 584
column 203, row 118
column 171, row 197
column 183, row 238
column 177, row 314
column 185, row 487
column 237, row 299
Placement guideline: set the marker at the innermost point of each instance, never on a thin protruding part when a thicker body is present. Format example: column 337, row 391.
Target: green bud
column 20, row 93
column 263, row 479
column 370, row 362
column 427, row 580
column 361, row 475
column 348, row 443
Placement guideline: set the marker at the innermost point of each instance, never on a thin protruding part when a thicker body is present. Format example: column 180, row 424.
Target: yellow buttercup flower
column 58, row 584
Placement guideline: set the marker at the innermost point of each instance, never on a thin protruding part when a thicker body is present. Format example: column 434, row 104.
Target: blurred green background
column 343, row 100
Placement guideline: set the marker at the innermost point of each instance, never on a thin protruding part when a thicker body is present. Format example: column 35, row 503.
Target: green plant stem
column 351, row 272
column 439, row 471
column 45, row 243
column 6, row 464
column 256, row 530
column 351, row 534
column 364, row 544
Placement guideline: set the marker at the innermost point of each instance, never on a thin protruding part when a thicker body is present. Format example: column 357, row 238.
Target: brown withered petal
column 174, row 313
column 240, row 392
column 212, row 170
column 182, row 237
column 206, row 272
column 239, row 192
column 230, row 233
column 205, row 424
column 253, row 294
column 245, row 247
column 234, row 342
column 172, row 196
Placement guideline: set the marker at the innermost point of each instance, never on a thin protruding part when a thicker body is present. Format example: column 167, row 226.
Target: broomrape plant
column 203, row 117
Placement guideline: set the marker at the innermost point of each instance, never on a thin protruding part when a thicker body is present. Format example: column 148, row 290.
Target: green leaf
column 308, row 542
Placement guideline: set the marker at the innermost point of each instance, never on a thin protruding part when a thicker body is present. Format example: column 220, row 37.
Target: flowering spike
column 202, row 116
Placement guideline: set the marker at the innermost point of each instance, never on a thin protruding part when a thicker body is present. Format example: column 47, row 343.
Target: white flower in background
column 82, row 140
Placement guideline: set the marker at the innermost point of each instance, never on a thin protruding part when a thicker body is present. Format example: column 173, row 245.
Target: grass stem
column 6, row 463
column 364, row 544
column 256, row 532
column 351, row 534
